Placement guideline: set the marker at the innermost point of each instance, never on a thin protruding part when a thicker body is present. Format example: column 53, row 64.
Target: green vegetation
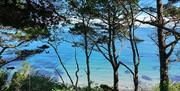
column 3, row 78
column 23, row 82
column 36, row 82
column 33, row 83
column 174, row 12
column 172, row 87
column 39, row 20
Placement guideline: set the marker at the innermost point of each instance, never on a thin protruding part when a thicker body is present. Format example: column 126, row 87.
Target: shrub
column 39, row 83
column 172, row 87
column 3, row 79
column 33, row 83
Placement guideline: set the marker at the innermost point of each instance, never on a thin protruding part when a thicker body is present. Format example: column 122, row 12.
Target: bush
column 80, row 89
column 172, row 87
column 39, row 83
column 3, row 79
column 22, row 81
column 177, row 86
column 33, row 83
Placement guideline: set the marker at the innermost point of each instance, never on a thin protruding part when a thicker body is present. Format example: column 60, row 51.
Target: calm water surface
column 101, row 70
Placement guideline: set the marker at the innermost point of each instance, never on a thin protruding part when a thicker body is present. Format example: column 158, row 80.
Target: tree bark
column 116, row 78
column 87, row 59
column 76, row 73
column 136, row 78
column 164, row 80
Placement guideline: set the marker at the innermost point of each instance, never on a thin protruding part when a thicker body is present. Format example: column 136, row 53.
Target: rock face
column 138, row 39
column 44, row 47
column 105, row 87
column 22, row 54
column 126, row 72
column 10, row 68
column 175, row 78
column 2, row 61
column 146, row 78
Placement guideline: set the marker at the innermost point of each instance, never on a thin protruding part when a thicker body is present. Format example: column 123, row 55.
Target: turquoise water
column 101, row 70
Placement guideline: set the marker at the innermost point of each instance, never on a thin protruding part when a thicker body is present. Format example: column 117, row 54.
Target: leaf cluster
column 32, row 15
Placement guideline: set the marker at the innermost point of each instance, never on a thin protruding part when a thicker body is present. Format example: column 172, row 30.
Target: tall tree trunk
column 164, row 80
column 136, row 56
column 87, row 60
column 116, row 78
column 135, row 53
column 114, row 56
column 76, row 73
column 136, row 78
column 88, row 74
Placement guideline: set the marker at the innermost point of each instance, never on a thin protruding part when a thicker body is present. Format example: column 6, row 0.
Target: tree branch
column 162, row 27
column 126, row 67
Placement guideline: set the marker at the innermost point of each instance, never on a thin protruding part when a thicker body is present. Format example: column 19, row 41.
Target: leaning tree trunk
column 164, row 80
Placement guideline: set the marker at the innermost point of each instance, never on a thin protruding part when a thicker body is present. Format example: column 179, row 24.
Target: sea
column 47, row 63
